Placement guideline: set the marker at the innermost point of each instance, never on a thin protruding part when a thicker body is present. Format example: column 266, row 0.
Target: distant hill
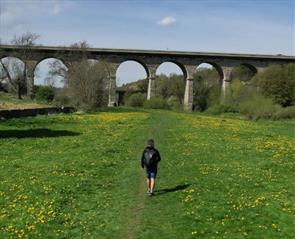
column 136, row 86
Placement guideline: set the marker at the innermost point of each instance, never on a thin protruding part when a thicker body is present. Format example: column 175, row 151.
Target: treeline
column 268, row 94
column 170, row 89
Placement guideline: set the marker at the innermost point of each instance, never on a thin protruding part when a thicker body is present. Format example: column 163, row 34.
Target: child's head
column 151, row 142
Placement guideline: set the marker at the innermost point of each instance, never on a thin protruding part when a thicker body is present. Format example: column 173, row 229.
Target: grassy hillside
column 78, row 176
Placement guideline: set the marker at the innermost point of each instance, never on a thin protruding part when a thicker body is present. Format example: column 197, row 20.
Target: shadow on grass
column 171, row 190
column 35, row 133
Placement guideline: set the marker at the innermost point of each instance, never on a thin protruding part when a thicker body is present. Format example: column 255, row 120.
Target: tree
column 172, row 85
column 177, row 86
column 243, row 73
column 86, row 84
column 16, row 74
column 13, row 70
column 206, row 88
column 201, row 94
column 163, row 86
column 45, row 93
column 278, row 83
column 85, row 80
column 142, row 86
column 56, row 70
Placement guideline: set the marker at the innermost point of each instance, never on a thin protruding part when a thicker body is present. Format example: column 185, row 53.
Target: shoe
column 148, row 191
column 151, row 194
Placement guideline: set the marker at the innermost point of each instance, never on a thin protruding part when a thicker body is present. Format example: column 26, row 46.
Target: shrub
column 258, row 107
column 155, row 103
column 220, row 108
column 285, row 113
column 173, row 103
column 135, row 100
column 86, row 84
column 278, row 83
column 45, row 93
column 201, row 99
column 206, row 93
column 62, row 100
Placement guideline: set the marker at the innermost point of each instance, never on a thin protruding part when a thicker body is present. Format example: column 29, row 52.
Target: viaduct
column 150, row 60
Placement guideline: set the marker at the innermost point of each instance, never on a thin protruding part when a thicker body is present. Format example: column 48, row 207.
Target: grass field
column 78, row 176
column 9, row 101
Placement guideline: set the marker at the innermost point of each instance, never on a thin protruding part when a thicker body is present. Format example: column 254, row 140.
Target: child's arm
column 142, row 160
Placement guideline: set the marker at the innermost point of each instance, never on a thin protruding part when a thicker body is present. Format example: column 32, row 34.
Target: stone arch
column 48, row 60
column 251, row 67
column 145, row 67
column 129, row 71
column 12, row 54
column 180, row 65
column 162, row 87
column 207, row 84
column 216, row 66
column 92, row 60
column 248, row 69
column 13, row 68
column 9, row 62
column 52, row 57
column 137, row 62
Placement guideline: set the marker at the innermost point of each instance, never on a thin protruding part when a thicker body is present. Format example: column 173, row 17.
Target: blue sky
column 241, row 26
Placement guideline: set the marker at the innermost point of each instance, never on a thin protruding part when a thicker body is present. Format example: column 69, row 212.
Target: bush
column 136, row 100
column 278, row 83
column 285, row 113
column 62, row 100
column 155, row 103
column 45, row 93
column 206, row 88
column 173, row 103
column 220, row 108
column 86, row 84
column 258, row 107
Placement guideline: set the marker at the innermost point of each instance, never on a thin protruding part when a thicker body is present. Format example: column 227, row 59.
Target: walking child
column 149, row 160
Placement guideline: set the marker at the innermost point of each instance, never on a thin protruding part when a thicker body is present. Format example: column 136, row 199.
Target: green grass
column 10, row 101
column 78, row 176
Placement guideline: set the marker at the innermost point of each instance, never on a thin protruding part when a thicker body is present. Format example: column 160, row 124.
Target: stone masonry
column 150, row 60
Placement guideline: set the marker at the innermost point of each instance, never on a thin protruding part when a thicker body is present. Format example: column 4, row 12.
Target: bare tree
column 16, row 75
column 81, row 45
column 56, row 74
column 85, row 79
column 86, row 84
column 13, row 70
column 58, row 69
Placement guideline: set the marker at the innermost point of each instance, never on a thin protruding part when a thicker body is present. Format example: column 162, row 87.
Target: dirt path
column 133, row 221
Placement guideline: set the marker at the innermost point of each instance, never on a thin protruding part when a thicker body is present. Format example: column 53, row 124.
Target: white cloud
column 166, row 21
